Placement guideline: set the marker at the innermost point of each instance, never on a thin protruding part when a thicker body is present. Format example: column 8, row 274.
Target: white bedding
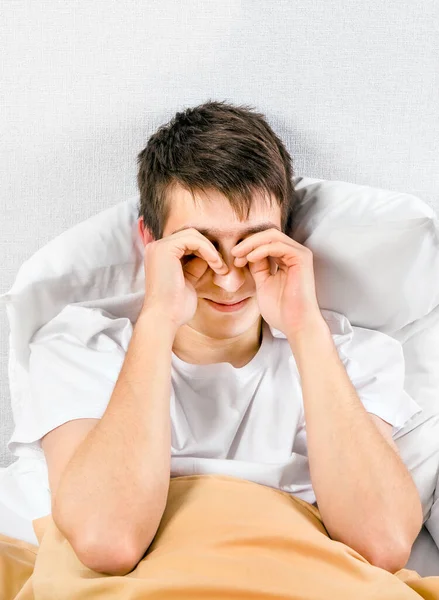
column 396, row 257
column 26, row 479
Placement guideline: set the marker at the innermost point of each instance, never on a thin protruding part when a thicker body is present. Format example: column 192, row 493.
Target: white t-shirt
column 249, row 422
column 245, row 422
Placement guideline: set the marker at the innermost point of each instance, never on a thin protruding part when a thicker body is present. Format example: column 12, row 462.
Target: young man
column 229, row 327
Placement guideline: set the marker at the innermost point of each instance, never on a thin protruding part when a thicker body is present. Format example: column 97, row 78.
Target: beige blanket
column 220, row 537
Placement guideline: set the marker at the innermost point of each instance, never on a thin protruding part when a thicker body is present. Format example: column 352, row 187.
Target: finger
column 195, row 269
column 199, row 246
column 190, row 255
column 264, row 237
column 261, row 268
column 286, row 253
column 275, row 264
column 240, row 262
column 195, row 233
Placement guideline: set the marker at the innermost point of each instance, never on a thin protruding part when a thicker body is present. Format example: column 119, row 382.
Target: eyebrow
column 216, row 233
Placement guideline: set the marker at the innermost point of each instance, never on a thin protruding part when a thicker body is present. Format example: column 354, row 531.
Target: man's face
column 214, row 217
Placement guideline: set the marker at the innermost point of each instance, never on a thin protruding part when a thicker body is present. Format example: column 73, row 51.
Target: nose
column 233, row 279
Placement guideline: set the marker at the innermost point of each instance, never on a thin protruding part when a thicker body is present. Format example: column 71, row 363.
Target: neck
column 196, row 348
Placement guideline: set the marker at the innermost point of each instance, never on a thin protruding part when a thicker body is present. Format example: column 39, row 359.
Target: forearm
column 365, row 494
column 113, row 491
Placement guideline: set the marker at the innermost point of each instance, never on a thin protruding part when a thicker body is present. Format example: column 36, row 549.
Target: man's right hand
column 173, row 265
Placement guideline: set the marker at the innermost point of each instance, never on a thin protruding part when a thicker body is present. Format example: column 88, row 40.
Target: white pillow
column 376, row 252
column 376, row 260
column 418, row 441
column 372, row 248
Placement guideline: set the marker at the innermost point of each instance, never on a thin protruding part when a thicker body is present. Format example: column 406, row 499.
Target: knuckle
column 193, row 231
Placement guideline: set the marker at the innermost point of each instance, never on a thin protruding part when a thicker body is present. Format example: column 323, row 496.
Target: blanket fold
column 219, row 537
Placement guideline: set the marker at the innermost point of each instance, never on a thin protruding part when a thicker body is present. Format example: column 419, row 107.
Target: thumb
column 260, row 271
column 194, row 269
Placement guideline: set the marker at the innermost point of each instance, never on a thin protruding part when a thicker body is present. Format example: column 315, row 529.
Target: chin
column 224, row 333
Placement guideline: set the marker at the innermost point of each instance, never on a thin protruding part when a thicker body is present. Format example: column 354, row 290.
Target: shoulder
column 362, row 344
column 354, row 344
column 340, row 327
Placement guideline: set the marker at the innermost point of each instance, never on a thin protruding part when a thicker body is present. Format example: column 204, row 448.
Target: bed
column 351, row 90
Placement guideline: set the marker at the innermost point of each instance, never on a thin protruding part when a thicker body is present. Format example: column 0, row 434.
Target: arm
column 113, row 492
column 365, row 493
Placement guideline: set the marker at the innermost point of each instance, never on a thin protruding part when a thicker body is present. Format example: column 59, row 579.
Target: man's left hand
column 283, row 273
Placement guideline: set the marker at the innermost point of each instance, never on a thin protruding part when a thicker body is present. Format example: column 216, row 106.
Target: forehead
column 213, row 211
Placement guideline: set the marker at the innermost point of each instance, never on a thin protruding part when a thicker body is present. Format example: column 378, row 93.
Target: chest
column 229, row 416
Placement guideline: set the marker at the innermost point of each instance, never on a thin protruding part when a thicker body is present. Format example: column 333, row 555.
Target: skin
column 381, row 514
column 366, row 497
column 209, row 336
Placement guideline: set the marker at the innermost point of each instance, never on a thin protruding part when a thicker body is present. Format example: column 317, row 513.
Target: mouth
column 227, row 306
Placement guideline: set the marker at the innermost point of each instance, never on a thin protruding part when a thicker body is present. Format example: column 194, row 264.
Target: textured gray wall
column 352, row 88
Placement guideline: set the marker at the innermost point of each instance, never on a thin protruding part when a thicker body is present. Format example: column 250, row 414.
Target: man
column 206, row 383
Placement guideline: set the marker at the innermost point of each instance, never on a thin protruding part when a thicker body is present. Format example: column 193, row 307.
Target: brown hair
column 215, row 145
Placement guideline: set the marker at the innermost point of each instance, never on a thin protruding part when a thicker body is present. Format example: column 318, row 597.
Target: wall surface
column 351, row 87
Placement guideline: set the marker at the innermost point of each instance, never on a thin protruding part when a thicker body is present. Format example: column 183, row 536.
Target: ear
column 145, row 234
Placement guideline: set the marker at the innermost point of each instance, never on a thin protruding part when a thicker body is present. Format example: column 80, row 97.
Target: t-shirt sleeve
column 74, row 363
column 374, row 362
